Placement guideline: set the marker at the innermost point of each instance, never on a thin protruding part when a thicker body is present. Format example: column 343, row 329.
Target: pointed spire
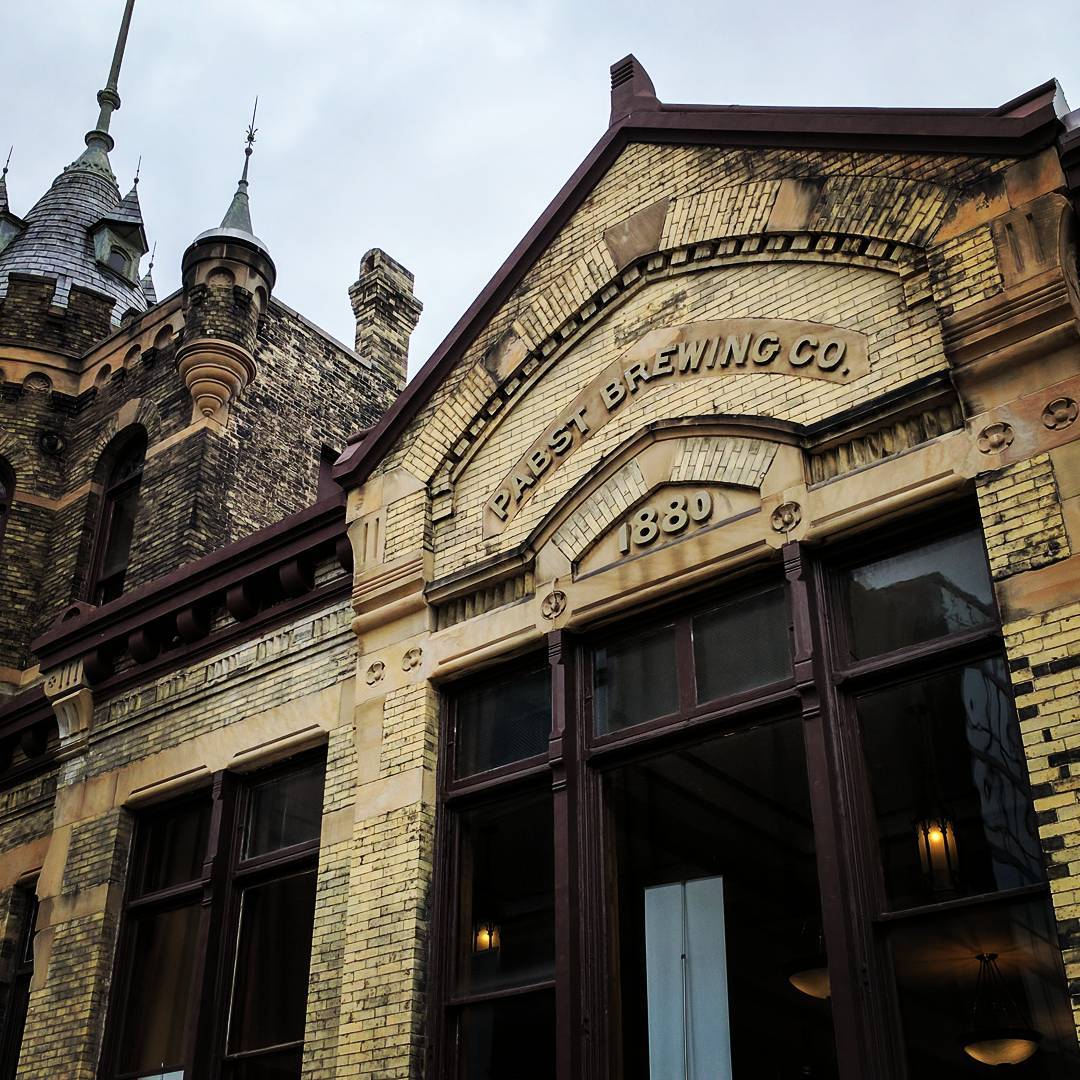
column 147, row 281
column 3, row 183
column 129, row 210
column 238, row 216
column 98, row 141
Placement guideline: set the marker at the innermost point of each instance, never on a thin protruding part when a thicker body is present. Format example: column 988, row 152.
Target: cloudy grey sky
column 440, row 129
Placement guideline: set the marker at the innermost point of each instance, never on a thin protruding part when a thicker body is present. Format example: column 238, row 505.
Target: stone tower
column 227, row 279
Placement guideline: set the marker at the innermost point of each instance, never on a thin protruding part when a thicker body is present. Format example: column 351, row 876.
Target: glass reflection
column 742, row 645
column 497, row 723
column 937, row 589
column 944, row 1009
column 949, row 784
column 159, row 994
column 285, row 810
column 734, row 810
column 634, row 680
column 507, row 930
column 512, row 1037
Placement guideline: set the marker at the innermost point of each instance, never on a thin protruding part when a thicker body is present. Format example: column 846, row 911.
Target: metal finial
column 153, row 255
column 7, row 163
column 138, row 169
column 250, row 141
column 109, row 97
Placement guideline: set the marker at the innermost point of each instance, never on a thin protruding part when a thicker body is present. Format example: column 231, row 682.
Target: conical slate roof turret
column 147, row 281
column 58, row 240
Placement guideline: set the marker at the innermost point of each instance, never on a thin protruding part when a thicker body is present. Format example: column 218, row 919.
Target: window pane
column 938, row 589
column 514, row 1037
column 501, row 722
column 507, row 931
column 949, row 784
column 634, row 680
column 273, row 954
column 284, row 810
column 937, row 970
column 162, row 964
column 120, row 528
column 742, row 645
column 175, row 845
column 722, row 831
column 281, row 1066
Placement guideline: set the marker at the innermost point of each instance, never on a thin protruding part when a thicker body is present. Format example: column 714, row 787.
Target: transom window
column 216, row 940
column 784, row 830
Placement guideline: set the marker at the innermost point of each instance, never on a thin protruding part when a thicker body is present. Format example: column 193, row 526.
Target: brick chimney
column 386, row 314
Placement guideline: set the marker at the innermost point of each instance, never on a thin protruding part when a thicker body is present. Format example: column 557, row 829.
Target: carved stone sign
column 692, row 350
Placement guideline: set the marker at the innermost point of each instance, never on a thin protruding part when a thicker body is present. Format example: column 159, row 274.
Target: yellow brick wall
column 1044, row 658
column 1022, row 517
column 904, row 344
column 715, row 193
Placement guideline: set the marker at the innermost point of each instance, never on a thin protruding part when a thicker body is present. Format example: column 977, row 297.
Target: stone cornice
column 237, row 592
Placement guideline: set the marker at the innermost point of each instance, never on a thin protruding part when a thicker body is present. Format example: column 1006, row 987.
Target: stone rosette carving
column 375, row 673
column 1060, row 413
column 412, row 658
column 554, row 604
column 786, row 516
column 995, row 438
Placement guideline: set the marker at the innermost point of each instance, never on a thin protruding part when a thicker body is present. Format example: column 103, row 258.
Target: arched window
column 7, row 493
column 120, row 501
column 119, row 261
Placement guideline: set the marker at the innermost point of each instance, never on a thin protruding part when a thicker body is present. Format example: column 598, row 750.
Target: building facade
column 679, row 679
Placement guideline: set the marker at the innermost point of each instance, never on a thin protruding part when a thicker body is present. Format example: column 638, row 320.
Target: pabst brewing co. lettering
column 694, row 350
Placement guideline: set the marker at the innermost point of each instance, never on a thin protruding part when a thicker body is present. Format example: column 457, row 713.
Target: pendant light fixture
column 809, row 972
column 1001, row 1031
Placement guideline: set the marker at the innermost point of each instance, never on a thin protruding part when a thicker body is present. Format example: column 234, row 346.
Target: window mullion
column 865, row 1035
column 563, row 760
column 208, row 1024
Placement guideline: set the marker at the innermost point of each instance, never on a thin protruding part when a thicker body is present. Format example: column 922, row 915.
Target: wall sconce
column 936, row 836
column 1001, row 1032
column 486, row 938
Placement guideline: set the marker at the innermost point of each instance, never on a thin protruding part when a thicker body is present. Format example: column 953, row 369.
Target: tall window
column 784, row 830
column 16, row 996
column 116, row 523
column 7, row 494
column 216, row 943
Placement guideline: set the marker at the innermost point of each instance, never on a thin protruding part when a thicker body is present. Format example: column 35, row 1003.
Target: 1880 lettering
column 647, row 523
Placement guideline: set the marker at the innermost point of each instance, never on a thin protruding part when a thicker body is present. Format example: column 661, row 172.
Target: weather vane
column 251, row 127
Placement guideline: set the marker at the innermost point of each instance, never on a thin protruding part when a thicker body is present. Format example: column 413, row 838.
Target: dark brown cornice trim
column 1030, row 124
column 261, row 581
column 24, row 711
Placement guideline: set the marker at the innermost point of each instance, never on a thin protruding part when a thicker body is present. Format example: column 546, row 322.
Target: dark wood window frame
column 123, row 477
column 217, row 890
column 18, row 989
column 822, row 691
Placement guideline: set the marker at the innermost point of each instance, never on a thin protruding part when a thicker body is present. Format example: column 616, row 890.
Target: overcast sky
column 440, row 129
